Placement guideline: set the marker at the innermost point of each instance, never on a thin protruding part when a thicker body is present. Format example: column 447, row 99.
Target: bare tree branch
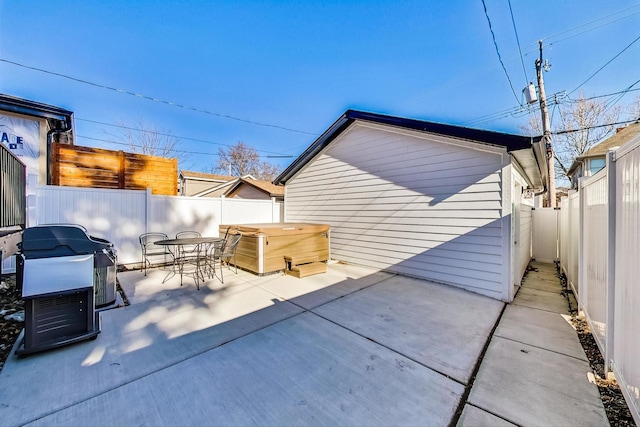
column 144, row 138
column 241, row 159
column 588, row 119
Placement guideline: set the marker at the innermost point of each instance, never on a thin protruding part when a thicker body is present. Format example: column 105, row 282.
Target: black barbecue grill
column 63, row 274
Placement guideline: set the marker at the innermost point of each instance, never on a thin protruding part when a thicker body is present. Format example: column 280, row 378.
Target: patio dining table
column 198, row 256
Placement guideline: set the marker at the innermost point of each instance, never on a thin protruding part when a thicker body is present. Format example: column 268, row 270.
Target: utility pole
column 546, row 134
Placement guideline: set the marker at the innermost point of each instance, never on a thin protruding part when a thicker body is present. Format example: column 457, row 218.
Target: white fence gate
column 600, row 255
column 523, row 242
column 120, row 216
column 545, row 230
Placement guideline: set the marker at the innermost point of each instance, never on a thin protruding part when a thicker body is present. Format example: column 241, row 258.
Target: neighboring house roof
column 216, row 188
column 617, row 140
column 220, row 184
column 206, row 176
column 265, row 186
column 527, row 151
column 600, row 150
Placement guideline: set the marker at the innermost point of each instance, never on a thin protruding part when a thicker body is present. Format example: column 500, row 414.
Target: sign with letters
column 21, row 136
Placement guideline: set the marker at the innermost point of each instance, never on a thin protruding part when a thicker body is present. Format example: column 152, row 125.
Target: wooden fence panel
column 78, row 166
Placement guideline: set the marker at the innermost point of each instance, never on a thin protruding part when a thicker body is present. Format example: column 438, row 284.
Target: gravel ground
column 614, row 403
column 610, row 393
column 10, row 303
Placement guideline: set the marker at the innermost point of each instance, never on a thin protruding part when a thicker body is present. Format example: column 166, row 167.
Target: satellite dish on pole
column 529, row 93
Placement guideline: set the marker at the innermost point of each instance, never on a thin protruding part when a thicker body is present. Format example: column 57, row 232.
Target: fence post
column 222, row 198
column 121, row 175
column 32, row 201
column 147, row 210
column 273, row 208
column 581, row 240
column 611, row 259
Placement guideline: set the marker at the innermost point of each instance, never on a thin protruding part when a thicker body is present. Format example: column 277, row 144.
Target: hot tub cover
column 277, row 228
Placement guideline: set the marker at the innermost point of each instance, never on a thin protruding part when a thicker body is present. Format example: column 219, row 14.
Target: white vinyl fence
column 523, row 244
column 120, row 216
column 570, row 239
column 600, row 255
column 545, row 230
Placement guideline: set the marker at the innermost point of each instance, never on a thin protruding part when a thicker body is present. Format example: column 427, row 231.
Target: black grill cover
column 60, row 240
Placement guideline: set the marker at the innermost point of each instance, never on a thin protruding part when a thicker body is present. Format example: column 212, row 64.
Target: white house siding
column 421, row 205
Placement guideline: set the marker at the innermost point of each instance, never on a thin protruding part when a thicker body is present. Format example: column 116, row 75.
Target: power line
column 533, row 46
column 166, row 134
column 514, row 111
column 593, row 127
column 625, row 91
column 592, row 22
column 140, row 146
column 614, row 101
column 149, row 98
column 515, row 30
column 495, row 43
column 608, row 62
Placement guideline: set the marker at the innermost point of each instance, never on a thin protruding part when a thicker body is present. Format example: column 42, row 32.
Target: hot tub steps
column 304, row 266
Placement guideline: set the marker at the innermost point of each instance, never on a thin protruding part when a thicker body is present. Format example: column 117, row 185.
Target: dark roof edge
column 325, row 139
column 32, row 108
column 509, row 141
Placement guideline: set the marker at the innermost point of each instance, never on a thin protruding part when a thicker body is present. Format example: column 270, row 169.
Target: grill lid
column 60, row 240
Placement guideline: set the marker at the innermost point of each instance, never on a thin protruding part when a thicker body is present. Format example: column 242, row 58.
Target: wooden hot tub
column 263, row 247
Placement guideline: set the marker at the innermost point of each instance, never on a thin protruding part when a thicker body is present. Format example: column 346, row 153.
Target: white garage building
column 423, row 199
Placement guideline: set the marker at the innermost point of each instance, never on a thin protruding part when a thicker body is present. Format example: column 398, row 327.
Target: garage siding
column 416, row 205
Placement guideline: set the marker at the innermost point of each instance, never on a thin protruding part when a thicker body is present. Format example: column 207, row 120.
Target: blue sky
column 299, row 65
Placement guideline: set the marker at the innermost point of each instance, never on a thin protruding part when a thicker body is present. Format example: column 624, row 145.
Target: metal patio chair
column 229, row 250
column 151, row 251
column 187, row 251
column 214, row 258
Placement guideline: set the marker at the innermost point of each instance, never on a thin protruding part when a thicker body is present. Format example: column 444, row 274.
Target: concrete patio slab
column 542, row 276
column 539, row 328
column 140, row 288
column 543, row 300
column 313, row 290
column 536, row 387
column 442, row 327
column 476, row 417
column 374, row 349
column 302, row 371
column 135, row 341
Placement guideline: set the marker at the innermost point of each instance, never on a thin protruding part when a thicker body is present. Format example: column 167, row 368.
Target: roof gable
column 265, row 186
column 512, row 143
column 617, row 140
column 600, row 150
column 207, row 176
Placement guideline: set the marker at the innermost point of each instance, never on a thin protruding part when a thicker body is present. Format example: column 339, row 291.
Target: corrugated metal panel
column 12, row 189
column 627, row 277
column 414, row 205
